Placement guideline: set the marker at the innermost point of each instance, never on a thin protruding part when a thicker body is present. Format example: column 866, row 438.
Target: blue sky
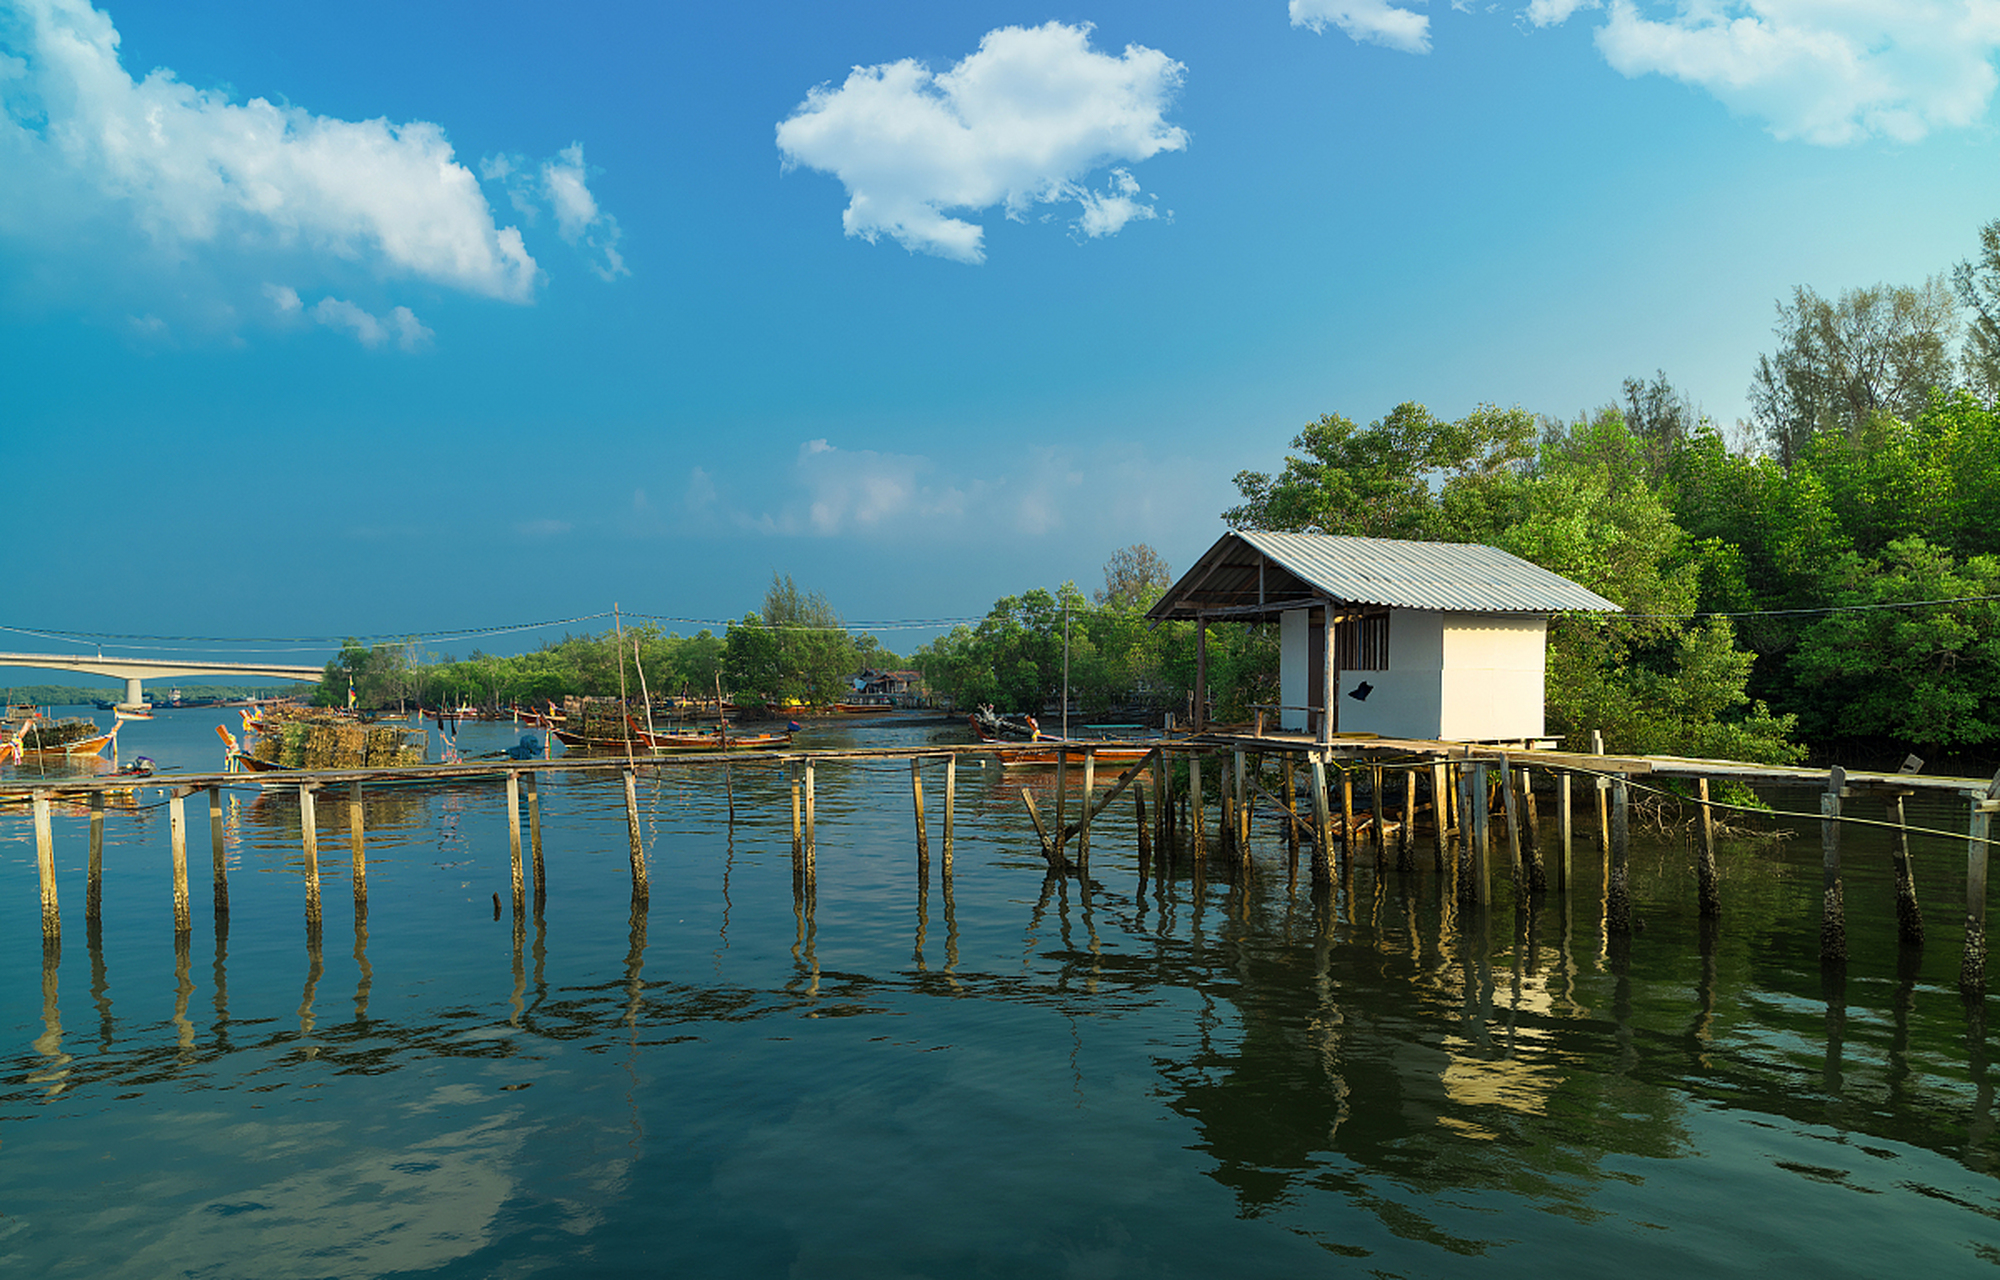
column 389, row 319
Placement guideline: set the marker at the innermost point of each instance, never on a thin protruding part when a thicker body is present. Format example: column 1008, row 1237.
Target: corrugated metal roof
column 1462, row 576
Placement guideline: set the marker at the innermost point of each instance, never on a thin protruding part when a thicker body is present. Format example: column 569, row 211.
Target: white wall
column 1495, row 682
column 1456, row 676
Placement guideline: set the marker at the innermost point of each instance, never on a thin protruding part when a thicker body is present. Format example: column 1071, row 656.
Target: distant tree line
column 796, row 649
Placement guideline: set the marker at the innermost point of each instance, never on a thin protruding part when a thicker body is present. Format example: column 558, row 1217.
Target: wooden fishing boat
column 70, row 736
column 1053, row 751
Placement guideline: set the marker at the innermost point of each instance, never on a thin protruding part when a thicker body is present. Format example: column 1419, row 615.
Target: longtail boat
column 72, row 736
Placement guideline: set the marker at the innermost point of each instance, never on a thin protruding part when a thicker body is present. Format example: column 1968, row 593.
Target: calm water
column 996, row 1077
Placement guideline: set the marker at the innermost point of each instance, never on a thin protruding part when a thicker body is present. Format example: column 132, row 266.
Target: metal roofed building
column 1435, row 640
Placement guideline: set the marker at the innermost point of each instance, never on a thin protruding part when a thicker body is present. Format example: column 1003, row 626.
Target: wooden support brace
column 1909, row 916
column 1707, row 886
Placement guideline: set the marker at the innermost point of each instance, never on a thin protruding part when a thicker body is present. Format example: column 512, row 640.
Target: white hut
column 1432, row 640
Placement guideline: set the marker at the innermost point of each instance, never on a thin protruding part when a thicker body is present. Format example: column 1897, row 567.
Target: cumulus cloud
column 144, row 194
column 1825, row 71
column 400, row 326
column 1368, row 21
column 1017, row 124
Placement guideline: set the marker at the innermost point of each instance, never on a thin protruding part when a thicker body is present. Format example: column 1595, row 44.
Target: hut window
column 1362, row 644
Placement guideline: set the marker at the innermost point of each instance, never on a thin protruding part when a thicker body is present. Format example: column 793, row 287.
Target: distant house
column 1434, row 640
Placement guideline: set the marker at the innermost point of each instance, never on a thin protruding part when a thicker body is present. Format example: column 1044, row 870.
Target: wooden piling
column 514, row 831
column 1346, row 817
column 535, row 834
column 1510, row 814
column 1062, row 796
column 1618, row 883
column 812, row 835
column 1479, row 827
column 1603, row 795
column 357, row 847
column 1440, row 813
column 917, row 804
column 1909, row 916
column 1972, row 967
column 45, row 867
column 1049, row 854
column 642, row 889
column 1322, row 859
column 798, row 824
column 1833, row 915
column 309, row 839
column 177, row 842
column 1707, row 883
column 1565, row 830
column 218, row 848
column 1194, row 808
column 1239, row 827
column 1406, row 839
column 93, row 903
column 1375, row 802
column 1084, row 808
column 1531, row 834
column 950, row 805
column 1139, row 823
column 1291, row 819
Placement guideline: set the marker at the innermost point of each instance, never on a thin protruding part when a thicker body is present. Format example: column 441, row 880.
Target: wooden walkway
column 1471, row 788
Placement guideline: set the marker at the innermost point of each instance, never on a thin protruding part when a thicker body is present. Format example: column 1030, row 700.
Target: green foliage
column 796, row 651
column 1927, row 676
column 1584, row 505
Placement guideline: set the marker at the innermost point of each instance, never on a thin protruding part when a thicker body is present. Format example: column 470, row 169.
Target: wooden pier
column 1470, row 788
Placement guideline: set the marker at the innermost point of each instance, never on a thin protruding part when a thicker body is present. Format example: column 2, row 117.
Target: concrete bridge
column 134, row 670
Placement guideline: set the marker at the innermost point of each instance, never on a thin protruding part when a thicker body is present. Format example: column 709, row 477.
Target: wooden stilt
column 309, row 839
column 177, row 840
column 513, row 832
column 1565, row 830
column 535, row 834
column 642, row 889
column 812, row 834
column 45, row 867
column 1239, row 825
column 93, row 903
column 917, row 803
column 1511, row 816
column 1291, row 820
column 1440, row 813
column 1346, row 816
column 950, row 805
column 1972, row 967
column 1139, row 824
column 1083, row 810
column 1160, row 814
column 1833, row 916
column 1909, row 916
column 1479, row 828
column 218, row 849
column 1406, row 839
column 1322, row 859
column 1603, row 798
column 1707, row 886
column 1194, row 808
column 1531, row 834
column 1381, row 840
column 1618, row 885
column 1062, row 797
column 1049, row 854
column 798, row 824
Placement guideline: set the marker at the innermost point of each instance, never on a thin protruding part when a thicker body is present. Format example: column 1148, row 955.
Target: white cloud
column 401, row 324
column 1016, row 124
column 561, row 186
column 1107, row 214
column 1367, row 21
column 1826, row 71
column 191, row 168
column 1549, row 13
